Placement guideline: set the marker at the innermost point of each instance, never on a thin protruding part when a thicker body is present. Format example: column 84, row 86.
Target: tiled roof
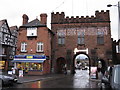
column 34, row 23
column 13, row 28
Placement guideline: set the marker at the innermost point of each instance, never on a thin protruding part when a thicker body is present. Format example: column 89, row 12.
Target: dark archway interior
column 60, row 63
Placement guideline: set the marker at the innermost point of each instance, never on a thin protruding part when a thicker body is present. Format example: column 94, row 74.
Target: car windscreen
column 117, row 75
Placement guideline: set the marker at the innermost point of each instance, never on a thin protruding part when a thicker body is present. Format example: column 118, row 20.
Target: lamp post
column 118, row 5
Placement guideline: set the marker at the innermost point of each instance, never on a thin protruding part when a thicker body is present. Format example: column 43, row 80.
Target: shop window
column 2, row 65
column 23, row 47
column 40, row 47
column 37, row 66
column 30, row 66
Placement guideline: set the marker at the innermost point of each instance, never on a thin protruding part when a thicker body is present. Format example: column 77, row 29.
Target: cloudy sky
column 12, row 10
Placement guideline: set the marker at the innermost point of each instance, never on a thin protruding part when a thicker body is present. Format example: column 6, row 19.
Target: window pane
column 61, row 40
column 80, row 40
column 39, row 47
column 23, row 47
column 100, row 40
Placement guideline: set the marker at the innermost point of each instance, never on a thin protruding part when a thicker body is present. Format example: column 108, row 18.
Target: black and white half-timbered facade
column 8, row 40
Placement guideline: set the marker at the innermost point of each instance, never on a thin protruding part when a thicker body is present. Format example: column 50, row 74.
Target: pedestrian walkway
column 32, row 78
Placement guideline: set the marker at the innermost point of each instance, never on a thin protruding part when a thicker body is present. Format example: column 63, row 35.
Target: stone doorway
column 60, row 64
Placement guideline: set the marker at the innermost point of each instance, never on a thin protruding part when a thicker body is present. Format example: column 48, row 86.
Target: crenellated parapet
column 59, row 18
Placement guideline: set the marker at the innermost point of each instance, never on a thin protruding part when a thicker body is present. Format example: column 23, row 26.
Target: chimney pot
column 43, row 17
column 25, row 19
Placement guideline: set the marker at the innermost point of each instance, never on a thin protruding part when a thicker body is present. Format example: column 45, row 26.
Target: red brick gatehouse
column 80, row 35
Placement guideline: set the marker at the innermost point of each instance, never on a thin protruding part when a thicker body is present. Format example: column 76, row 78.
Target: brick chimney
column 25, row 19
column 43, row 18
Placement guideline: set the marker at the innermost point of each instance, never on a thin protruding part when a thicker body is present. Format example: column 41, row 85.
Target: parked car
column 8, row 79
column 112, row 78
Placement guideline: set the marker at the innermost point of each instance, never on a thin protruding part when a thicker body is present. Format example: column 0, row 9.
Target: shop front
column 32, row 64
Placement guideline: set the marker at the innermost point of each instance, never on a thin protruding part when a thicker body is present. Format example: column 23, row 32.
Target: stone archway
column 60, row 63
column 73, row 64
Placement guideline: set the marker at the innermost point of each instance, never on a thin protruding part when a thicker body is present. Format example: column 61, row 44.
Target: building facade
column 34, row 46
column 80, row 35
column 8, row 40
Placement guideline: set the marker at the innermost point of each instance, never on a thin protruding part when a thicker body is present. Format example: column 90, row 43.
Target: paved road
column 79, row 80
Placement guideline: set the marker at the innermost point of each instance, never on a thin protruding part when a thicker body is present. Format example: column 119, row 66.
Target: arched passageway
column 74, row 61
column 81, row 62
column 60, row 63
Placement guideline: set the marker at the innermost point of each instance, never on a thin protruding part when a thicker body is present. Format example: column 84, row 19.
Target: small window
column 61, row 40
column 31, row 31
column 23, row 47
column 40, row 47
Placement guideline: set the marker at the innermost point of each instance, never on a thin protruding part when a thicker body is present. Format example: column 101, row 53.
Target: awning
column 29, row 58
column 32, row 61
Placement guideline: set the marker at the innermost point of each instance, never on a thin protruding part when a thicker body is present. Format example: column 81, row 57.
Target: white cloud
column 12, row 10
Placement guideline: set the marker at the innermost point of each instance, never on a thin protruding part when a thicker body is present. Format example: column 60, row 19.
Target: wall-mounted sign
column 30, row 56
column 79, row 31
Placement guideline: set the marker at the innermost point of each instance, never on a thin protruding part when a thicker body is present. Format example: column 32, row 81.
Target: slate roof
column 1, row 22
column 34, row 23
column 5, row 21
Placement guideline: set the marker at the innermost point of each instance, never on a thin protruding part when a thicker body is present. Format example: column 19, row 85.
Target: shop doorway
column 60, row 64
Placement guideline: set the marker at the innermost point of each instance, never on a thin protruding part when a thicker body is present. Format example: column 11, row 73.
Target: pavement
column 32, row 78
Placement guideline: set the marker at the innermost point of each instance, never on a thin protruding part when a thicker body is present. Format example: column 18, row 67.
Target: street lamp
column 109, row 5
column 118, row 5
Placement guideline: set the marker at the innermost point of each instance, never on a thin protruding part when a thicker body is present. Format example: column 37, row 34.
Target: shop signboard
column 30, row 56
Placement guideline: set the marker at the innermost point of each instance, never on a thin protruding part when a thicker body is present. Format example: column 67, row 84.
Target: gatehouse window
column 100, row 37
column 61, row 40
column 40, row 47
column 81, row 39
column 23, row 47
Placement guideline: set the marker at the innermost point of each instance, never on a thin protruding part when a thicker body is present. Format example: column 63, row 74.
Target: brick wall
column 100, row 21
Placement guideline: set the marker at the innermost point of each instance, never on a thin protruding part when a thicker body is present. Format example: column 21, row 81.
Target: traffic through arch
column 76, row 53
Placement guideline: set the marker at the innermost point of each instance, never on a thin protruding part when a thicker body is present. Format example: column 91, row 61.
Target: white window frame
column 40, row 47
column 23, row 47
